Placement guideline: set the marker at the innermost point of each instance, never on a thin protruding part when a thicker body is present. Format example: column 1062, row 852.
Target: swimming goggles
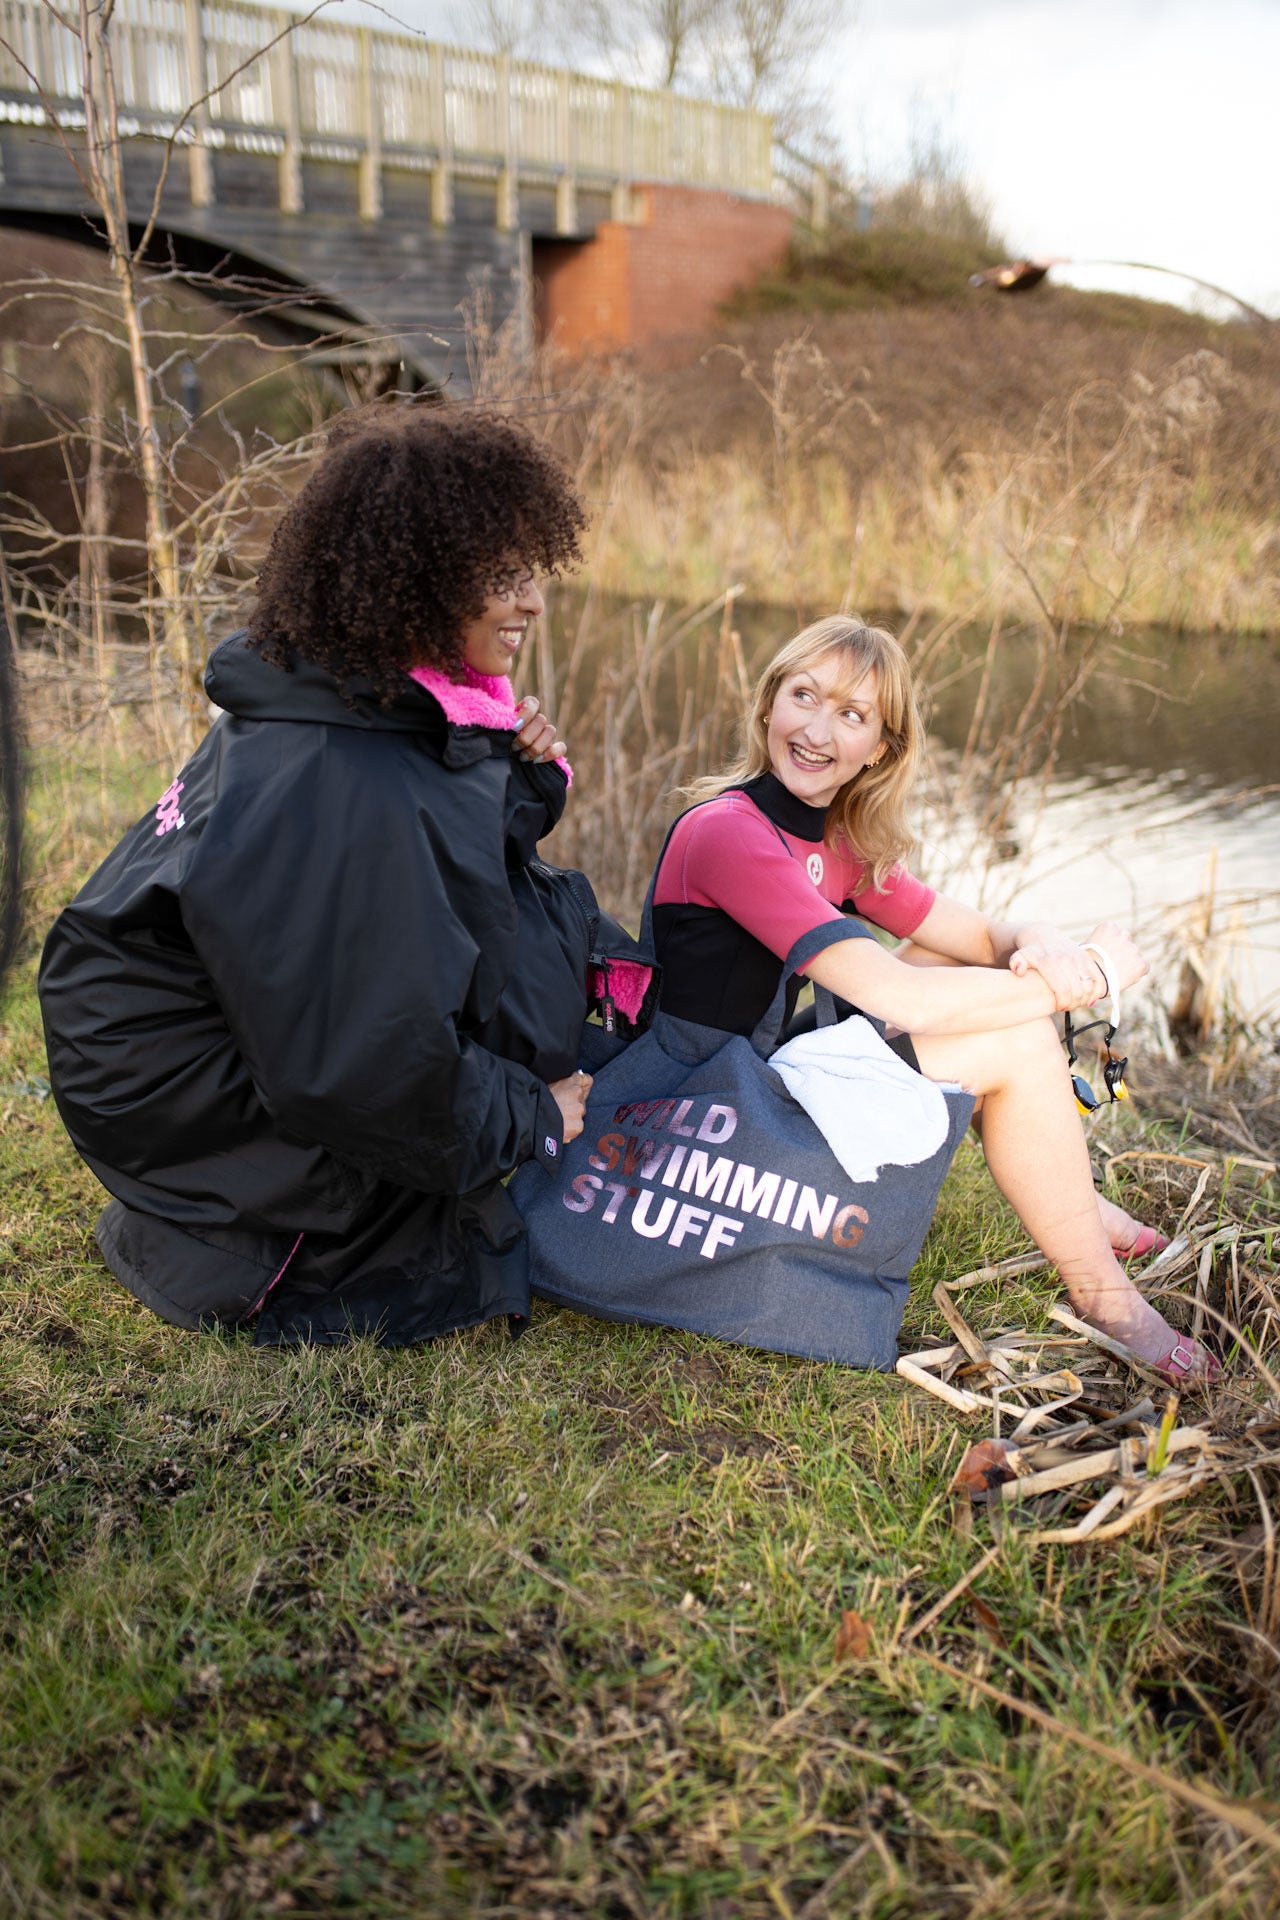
column 1113, row 1069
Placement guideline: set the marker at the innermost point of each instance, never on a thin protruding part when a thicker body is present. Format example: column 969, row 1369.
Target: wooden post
column 291, row 195
column 623, row 158
column 371, row 118
column 438, row 137
column 508, row 212
column 567, row 183
column 524, row 290
column 199, row 158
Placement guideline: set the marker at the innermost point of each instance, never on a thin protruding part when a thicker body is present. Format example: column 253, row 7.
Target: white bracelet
column 1107, row 968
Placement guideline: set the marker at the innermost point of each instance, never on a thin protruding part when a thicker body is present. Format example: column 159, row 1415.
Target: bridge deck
column 389, row 172
column 233, row 76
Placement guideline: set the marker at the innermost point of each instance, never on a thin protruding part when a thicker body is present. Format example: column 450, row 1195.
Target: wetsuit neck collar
column 779, row 804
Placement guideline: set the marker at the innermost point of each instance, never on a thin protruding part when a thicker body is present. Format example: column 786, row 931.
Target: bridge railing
column 337, row 91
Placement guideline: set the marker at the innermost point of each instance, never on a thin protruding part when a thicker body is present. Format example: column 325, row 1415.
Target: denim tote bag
column 700, row 1195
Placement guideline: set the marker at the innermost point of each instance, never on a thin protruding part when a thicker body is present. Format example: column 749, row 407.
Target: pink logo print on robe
column 168, row 810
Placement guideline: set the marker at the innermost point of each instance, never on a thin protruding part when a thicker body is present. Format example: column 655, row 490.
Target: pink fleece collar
column 477, row 700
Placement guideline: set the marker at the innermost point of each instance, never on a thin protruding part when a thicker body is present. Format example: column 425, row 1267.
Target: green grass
column 547, row 1628
column 900, row 266
column 883, row 267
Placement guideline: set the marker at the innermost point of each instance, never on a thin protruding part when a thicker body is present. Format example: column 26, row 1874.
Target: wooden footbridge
column 383, row 178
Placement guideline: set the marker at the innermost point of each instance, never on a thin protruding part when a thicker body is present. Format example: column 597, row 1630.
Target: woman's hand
column 570, row 1095
column 1072, row 975
column 536, row 736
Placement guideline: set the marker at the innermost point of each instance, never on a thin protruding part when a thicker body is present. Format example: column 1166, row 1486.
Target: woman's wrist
column 1107, row 968
column 1099, row 986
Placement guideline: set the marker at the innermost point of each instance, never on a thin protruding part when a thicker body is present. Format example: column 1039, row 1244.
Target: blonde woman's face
column 821, row 731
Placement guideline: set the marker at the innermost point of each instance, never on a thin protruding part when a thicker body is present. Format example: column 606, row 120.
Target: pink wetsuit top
column 726, row 854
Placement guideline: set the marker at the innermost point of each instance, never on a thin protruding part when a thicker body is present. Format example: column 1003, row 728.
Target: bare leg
column 1122, row 1230
column 1035, row 1148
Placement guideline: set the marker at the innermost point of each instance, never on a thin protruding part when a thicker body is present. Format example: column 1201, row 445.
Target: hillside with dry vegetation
column 870, row 430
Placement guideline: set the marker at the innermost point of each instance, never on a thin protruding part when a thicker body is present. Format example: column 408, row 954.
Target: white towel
column 872, row 1108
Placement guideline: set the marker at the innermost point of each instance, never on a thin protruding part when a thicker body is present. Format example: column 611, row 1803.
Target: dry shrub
column 947, row 445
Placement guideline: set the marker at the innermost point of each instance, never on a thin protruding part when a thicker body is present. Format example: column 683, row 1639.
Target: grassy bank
column 549, row 1629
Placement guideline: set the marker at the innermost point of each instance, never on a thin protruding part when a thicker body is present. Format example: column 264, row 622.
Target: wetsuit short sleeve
column 899, row 906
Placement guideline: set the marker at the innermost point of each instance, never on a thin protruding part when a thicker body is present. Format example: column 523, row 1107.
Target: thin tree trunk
column 106, row 173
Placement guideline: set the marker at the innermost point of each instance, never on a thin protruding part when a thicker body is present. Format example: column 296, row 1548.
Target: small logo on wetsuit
column 552, row 1146
column 168, row 810
column 814, row 864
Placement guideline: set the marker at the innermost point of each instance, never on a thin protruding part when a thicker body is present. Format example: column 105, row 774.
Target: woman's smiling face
column 491, row 641
column 822, row 731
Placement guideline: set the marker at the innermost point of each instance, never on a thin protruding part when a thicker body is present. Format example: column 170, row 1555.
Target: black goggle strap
column 1112, row 1071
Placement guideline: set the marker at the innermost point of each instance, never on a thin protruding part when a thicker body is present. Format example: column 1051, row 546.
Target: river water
column 1165, row 789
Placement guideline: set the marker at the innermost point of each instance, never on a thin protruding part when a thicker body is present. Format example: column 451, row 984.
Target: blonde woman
column 812, row 818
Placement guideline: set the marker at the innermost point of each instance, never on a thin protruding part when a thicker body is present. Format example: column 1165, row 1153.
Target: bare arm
column 977, row 997
column 957, row 932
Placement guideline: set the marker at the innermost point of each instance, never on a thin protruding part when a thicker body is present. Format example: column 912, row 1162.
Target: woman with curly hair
column 322, row 999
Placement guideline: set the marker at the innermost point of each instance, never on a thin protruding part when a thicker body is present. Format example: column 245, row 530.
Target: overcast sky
column 1102, row 129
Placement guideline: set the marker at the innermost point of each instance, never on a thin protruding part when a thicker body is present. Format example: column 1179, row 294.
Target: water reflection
column 1166, row 780
column 1197, row 711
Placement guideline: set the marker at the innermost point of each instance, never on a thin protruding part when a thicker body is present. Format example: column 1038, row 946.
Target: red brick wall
column 636, row 284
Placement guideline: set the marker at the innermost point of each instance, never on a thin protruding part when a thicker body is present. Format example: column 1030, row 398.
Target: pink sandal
column 1148, row 1241
column 1187, row 1364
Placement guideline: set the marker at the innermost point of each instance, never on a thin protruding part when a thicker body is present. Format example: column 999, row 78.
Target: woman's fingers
column 1128, row 963
column 570, row 1095
column 537, row 739
column 1074, row 978
column 1072, row 975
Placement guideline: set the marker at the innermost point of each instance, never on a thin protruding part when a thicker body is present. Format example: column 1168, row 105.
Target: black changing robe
column 302, row 1020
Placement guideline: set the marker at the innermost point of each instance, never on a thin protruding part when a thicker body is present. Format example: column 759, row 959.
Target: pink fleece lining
column 628, row 982
column 477, row 700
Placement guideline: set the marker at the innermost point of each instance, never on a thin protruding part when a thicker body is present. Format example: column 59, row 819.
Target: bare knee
column 1032, row 1054
column 1036, row 1041
column 990, row 1062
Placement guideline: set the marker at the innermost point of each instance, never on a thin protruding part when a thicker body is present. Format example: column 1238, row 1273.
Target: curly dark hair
column 413, row 517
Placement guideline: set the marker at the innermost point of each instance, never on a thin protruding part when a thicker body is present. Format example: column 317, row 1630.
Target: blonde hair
column 870, row 811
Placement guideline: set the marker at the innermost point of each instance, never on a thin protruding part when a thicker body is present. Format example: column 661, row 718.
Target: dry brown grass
column 924, row 459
